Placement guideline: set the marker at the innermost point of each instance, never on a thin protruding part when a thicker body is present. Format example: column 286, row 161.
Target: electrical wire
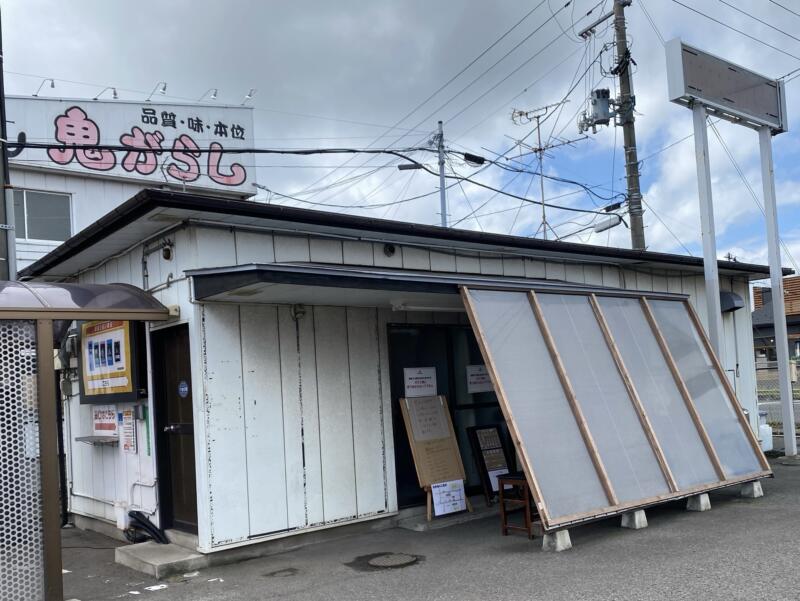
column 678, row 240
column 451, row 80
column 784, row 8
column 753, row 195
column 651, row 21
column 739, row 31
column 747, row 14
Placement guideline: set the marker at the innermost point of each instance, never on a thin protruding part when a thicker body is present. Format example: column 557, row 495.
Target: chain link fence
column 769, row 396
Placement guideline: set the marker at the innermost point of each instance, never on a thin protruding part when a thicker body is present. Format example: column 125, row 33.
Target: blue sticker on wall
column 183, row 389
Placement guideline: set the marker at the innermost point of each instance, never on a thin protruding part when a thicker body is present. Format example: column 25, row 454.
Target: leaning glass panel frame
column 618, row 313
column 626, row 452
column 735, row 449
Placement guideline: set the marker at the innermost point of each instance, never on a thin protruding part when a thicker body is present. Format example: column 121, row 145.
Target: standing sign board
column 181, row 144
column 490, row 456
column 433, row 443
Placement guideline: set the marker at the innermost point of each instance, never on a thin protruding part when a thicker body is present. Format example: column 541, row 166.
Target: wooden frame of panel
column 687, row 397
column 647, row 426
column 502, row 399
column 574, row 405
column 616, row 508
column 762, row 459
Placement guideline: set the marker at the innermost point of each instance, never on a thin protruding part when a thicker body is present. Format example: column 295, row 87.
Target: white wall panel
column 367, row 406
column 254, row 247
column 214, row 248
column 441, row 261
column 394, row 260
column 357, row 253
column 491, row 265
column 224, row 425
column 291, row 248
column 326, row 250
column 263, row 410
column 467, row 263
column 416, row 258
column 385, row 316
column 335, row 413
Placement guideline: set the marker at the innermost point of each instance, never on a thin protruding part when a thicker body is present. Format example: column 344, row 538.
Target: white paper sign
column 448, row 497
column 478, row 379
column 104, row 420
column 494, row 475
column 420, row 381
column 129, row 432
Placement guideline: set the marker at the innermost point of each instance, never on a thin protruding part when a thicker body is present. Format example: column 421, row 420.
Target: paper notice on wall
column 478, row 379
column 428, row 418
column 104, row 420
column 420, row 381
column 448, row 497
column 128, row 439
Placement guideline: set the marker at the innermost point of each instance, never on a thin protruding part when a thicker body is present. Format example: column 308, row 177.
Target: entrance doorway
column 449, row 349
column 174, row 427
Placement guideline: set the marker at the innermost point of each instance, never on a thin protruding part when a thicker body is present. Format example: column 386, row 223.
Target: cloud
column 361, row 63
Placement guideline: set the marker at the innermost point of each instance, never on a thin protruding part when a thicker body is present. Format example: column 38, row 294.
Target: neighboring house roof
column 151, row 211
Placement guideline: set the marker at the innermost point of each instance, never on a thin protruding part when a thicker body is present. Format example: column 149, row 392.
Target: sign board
column 478, row 379
column 448, row 497
column 432, row 440
column 104, row 420
column 490, row 455
column 727, row 90
column 181, row 144
column 106, row 357
column 128, row 435
column 420, row 381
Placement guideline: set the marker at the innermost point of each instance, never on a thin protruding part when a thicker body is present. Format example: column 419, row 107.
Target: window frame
column 26, row 238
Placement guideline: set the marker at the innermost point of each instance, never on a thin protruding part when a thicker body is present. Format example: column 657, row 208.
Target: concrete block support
column 752, row 490
column 635, row 520
column 698, row 503
column 557, row 541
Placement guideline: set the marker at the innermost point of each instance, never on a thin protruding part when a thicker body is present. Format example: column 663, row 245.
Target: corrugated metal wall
column 296, row 416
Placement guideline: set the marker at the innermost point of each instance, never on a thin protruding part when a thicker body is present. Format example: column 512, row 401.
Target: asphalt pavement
column 741, row 549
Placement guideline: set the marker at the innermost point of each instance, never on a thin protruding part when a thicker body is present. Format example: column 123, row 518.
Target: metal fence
column 769, row 396
column 21, row 547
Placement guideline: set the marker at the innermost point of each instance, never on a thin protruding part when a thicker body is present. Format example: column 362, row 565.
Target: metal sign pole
column 776, row 278
column 707, row 226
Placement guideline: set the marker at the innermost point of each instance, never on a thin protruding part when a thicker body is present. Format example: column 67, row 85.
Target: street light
column 249, row 95
column 161, row 86
column 113, row 93
column 41, row 85
column 213, row 94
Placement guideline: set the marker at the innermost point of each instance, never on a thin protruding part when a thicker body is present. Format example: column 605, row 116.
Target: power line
column 739, row 31
column 651, row 21
column 750, row 190
column 650, row 208
column 784, row 8
column 448, row 82
column 736, row 8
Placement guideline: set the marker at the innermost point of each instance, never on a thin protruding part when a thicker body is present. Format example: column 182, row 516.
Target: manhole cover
column 392, row 560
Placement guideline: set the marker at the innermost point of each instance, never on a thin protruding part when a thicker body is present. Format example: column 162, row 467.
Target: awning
column 37, row 300
column 615, row 400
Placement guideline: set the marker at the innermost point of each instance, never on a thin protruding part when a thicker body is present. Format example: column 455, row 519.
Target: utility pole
column 624, row 117
column 7, row 238
column 540, row 154
column 625, row 112
column 442, row 191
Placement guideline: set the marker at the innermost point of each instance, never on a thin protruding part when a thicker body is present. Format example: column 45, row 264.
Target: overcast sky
column 341, row 73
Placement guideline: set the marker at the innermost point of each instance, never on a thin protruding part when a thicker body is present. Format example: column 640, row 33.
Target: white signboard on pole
column 180, row 144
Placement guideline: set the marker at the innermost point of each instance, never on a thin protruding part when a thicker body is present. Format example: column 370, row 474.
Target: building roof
column 151, row 211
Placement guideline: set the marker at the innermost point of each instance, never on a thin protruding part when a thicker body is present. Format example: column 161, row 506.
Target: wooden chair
column 514, row 499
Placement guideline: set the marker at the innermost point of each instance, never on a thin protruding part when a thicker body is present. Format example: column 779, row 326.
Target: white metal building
column 292, row 325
